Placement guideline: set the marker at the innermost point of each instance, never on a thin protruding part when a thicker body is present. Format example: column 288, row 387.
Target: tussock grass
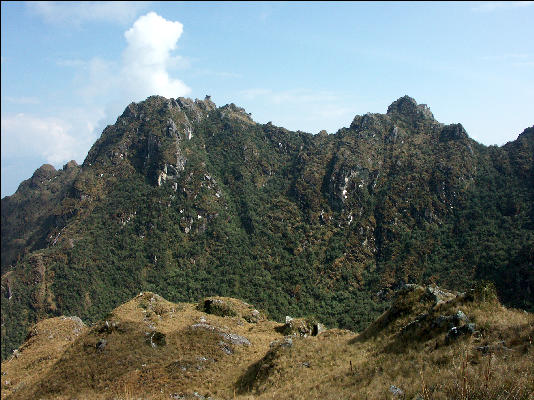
column 496, row 362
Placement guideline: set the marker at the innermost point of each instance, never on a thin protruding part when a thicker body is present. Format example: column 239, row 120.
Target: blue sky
column 69, row 69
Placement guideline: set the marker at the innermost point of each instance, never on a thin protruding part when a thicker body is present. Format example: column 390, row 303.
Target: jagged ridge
column 187, row 199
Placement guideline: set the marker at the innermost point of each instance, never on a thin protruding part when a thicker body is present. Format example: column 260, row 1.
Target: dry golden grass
column 495, row 363
column 46, row 342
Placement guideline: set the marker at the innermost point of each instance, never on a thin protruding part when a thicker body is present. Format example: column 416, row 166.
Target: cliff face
column 189, row 199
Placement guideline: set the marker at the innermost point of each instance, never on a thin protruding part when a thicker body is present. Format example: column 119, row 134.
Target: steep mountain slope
column 28, row 215
column 431, row 344
column 186, row 199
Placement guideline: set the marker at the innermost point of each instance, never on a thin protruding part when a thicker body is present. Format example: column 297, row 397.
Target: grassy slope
column 496, row 362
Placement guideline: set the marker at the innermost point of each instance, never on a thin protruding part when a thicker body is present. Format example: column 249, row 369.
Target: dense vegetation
column 189, row 200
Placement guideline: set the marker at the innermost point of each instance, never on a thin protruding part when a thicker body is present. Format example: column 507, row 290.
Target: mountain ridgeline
column 188, row 200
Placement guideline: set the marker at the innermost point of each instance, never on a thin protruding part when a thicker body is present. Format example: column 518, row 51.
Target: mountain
column 431, row 343
column 188, row 200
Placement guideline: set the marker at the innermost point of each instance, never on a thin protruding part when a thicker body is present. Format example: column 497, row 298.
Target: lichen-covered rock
column 101, row 344
column 301, row 327
column 438, row 295
column 218, row 307
column 231, row 338
column 156, row 339
column 457, row 331
column 229, row 307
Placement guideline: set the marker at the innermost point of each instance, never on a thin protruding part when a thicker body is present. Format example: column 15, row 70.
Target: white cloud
column 106, row 88
column 98, row 80
column 50, row 138
column 146, row 59
column 76, row 13
column 143, row 69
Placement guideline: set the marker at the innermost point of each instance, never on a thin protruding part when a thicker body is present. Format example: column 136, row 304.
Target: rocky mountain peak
column 45, row 170
column 188, row 198
column 235, row 112
column 71, row 164
column 408, row 107
column 452, row 132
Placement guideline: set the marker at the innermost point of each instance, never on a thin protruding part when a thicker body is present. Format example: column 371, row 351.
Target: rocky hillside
column 431, row 344
column 188, row 200
column 28, row 215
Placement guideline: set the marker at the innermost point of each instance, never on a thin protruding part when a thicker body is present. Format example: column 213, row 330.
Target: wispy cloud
column 98, row 78
column 76, row 13
column 48, row 138
column 323, row 109
column 488, row 6
column 23, row 100
column 143, row 69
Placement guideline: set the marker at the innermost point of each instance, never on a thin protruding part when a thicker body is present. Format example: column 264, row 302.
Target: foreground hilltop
column 430, row 344
column 186, row 199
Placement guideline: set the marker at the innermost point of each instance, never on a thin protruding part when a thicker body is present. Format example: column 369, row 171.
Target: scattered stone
column 461, row 316
column 493, row 348
column 254, row 317
column 218, row 307
column 286, row 342
column 190, row 396
column 236, row 339
column 225, row 348
column 456, row 331
column 228, row 307
column 101, row 344
column 156, row 339
column 397, row 392
column 301, row 327
column 228, row 339
column 318, row 328
column 77, row 320
column 438, row 295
